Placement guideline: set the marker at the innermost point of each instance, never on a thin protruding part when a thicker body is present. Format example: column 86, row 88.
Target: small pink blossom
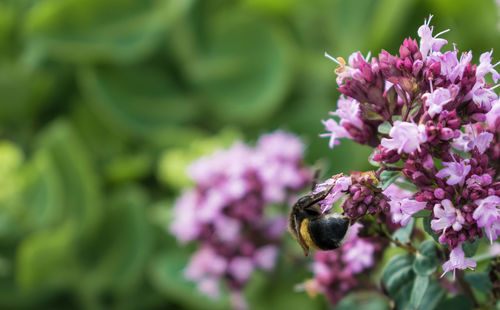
column 450, row 66
column 209, row 286
column 428, row 43
column 186, row 227
column 205, row 263
column 458, row 261
column 486, row 67
column 493, row 117
column 241, row 268
column 439, row 98
column 494, row 249
column 265, row 257
column 456, row 171
column 493, row 230
column 357, row 253
column 348, row 111
column 336, row 131
column 340, row 187
column 394, row 192
column 281, row 146
column 402, row 210
column 405, row 136
column 487, row 215
column 352, row 69
column 471, row 138
column 482, row 96
column 446, row 215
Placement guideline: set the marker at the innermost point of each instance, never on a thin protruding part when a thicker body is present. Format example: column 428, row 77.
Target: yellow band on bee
column 304, row 232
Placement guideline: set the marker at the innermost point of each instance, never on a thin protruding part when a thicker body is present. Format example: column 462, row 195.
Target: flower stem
column 408, row 247
column 464, row 285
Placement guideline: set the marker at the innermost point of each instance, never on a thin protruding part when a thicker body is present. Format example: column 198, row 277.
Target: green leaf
column 41, row 256
column 397, row 273
column 433, row 295
column 364, row 300
column 427, row 227
column 96, row 31
column 388, row 177
column 418, row 291
column 426, row 261
column 422, row 213
column 80, row 195
column 125, row 242
column 459, row 302
column 243, row 68
column 166, row 276
column 403, row 234
column 479, row 280
column 470, row 248
column 384, row 128
column 407, row 185
column 141, row 101
column 386, row 18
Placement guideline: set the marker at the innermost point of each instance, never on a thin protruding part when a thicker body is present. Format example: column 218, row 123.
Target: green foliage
column 388, row 177
column 403, row 234
column 427, row 227
column 105, row 103
column 480, row 281
column 409, row 289
column 471, row 248
column 426, row 261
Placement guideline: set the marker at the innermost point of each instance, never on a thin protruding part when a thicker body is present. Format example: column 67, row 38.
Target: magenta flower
column 458, row 261
column 335, row 271
column 340, row 187
column 482, row 96
column 395, row 192
column 447, row 216
column 471, row 138
column 486, row 67
column 487, row 215
column 493, row 117
column 241, row 268
column 438, row 98
column 281, row 146
column 357, row 253
column 457, row 172
column 428, row 43
column 336, row 131
column 186, row 227
column 348, row 111
column 493, row 230
column 225, row 211
column 450, row 66
column 402, row 210
column 265, row 257
column 405, row 136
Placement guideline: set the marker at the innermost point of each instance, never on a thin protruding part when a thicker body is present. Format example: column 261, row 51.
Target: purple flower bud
column 439, row 193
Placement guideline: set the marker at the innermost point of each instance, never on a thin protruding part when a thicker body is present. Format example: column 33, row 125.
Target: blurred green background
column 103, row 104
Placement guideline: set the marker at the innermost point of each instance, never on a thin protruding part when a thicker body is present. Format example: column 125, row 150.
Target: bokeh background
column 104, row 103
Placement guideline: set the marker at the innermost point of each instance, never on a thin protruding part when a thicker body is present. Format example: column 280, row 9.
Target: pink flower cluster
column 434, row 116
column 359, row 192
column 225, row 211
column 335, row 271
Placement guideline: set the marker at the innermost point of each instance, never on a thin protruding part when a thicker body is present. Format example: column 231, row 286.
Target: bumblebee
column 312, row 228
